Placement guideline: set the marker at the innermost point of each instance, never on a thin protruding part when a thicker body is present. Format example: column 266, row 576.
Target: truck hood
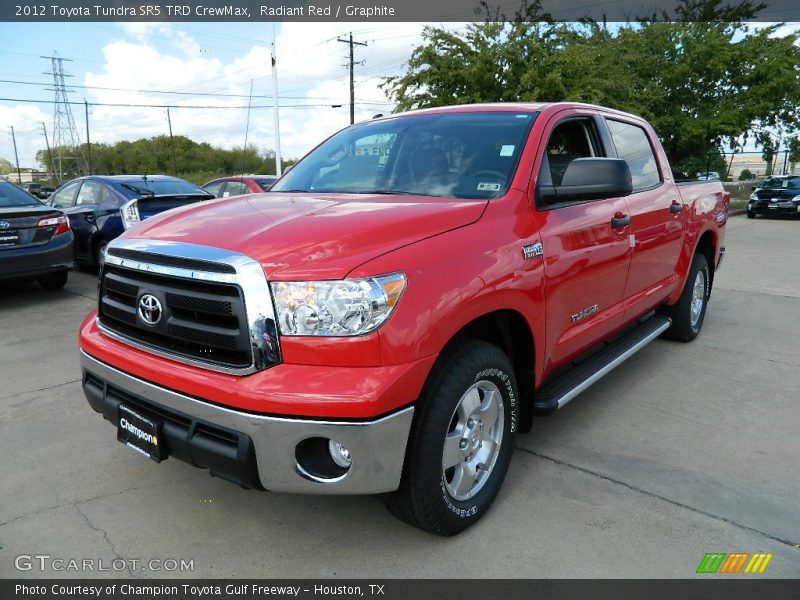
column 310, row 236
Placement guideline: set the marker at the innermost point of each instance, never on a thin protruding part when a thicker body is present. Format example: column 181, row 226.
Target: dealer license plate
column 9, row 237
column 140, row 432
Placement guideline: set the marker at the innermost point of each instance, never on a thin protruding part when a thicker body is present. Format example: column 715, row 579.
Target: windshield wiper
column 138, row 190
column 386, row 192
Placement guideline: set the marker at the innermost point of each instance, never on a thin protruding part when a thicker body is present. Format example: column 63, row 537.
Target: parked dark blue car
column 101, row 207
column 776, row 195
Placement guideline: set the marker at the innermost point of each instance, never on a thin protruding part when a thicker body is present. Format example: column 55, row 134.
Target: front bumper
column 784, row 207
column 251, row 449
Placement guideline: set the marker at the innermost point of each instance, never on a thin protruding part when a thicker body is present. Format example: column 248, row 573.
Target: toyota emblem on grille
column 4, row 224
column 149, row 309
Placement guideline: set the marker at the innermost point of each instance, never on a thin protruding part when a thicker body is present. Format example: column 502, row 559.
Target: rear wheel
column 689, row 312
column 55, row 281
column 460, row 443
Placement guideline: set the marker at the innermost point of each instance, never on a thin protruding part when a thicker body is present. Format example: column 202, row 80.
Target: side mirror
column 754, row 188
column 590, row 179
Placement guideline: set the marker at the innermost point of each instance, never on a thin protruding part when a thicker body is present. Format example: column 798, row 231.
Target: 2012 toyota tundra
column 405, row 299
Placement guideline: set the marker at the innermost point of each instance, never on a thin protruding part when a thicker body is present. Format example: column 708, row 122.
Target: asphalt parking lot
column 685, row 449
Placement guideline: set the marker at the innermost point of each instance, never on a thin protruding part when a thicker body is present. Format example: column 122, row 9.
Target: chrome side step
column 556, row 393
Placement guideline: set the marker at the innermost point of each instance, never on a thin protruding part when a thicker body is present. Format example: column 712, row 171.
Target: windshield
column 461, row 155
column 11, row 196
column 778, row 183
column 162, row 187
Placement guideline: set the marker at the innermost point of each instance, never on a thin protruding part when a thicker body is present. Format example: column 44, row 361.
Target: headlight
column 796, row 198
column 130, row 214
column 336, row 308
column 753, row 196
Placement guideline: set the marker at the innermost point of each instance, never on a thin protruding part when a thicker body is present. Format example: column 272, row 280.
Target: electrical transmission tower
column 66, row 141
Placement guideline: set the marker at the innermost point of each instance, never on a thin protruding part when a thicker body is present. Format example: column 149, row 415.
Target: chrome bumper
column 377, row 447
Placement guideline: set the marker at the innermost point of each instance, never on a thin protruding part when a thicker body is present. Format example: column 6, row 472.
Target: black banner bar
column 358, row 589
column 374, row 10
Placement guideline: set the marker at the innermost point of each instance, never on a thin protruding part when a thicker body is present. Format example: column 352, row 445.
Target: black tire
column 56, row 281
column 423, row 499
column 686, row 324
column 751, row 214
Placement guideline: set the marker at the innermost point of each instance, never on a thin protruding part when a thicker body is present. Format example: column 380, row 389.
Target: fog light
column 340, row 454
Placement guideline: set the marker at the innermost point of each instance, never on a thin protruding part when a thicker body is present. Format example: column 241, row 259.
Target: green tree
column 151, row 156
column 745, row 175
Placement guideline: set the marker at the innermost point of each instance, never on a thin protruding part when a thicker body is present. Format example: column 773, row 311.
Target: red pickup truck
column 405, row 299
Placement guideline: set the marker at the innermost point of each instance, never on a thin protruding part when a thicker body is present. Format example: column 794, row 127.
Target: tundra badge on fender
column 532, row 251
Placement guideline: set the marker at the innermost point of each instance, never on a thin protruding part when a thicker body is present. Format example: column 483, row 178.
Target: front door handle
column 620, row 220
column 675, row 207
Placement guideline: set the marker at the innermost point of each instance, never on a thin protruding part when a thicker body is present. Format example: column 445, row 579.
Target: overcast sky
column 197, row 58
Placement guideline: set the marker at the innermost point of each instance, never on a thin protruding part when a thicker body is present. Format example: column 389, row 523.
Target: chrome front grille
column 215, row 308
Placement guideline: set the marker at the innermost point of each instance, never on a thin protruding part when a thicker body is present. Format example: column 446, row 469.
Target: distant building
column 758, row 167
column 27, row 175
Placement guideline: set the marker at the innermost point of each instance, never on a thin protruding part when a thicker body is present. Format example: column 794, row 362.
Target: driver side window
column 575, row 138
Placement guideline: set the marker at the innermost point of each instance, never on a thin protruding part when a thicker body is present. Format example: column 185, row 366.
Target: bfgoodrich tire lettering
column 463, row 428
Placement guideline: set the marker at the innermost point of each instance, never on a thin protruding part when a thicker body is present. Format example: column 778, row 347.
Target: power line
column 145, row 91
column 125, row 105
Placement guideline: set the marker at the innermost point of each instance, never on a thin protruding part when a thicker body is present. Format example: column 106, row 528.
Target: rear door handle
column 675, row 207
column 621, row 221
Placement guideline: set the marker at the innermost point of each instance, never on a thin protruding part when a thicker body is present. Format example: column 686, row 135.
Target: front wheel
column 461, row 441
column 751, row 214
column 689, row 312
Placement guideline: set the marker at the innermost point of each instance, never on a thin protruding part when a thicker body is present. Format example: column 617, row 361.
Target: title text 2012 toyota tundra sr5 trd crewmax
column 401, row 303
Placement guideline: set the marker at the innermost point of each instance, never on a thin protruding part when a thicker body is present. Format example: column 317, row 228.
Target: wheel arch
column 508, row 330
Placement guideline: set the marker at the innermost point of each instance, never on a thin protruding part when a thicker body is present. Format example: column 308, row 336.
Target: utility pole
column 16, row 156
column 49, row 154
column 351, row 43
column 273, row 54
column 172, row 143
column 88, row 143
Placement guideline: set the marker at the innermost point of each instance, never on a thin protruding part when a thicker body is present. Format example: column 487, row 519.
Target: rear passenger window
column 214, row 188
column 634, row 147
column 92, row 193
